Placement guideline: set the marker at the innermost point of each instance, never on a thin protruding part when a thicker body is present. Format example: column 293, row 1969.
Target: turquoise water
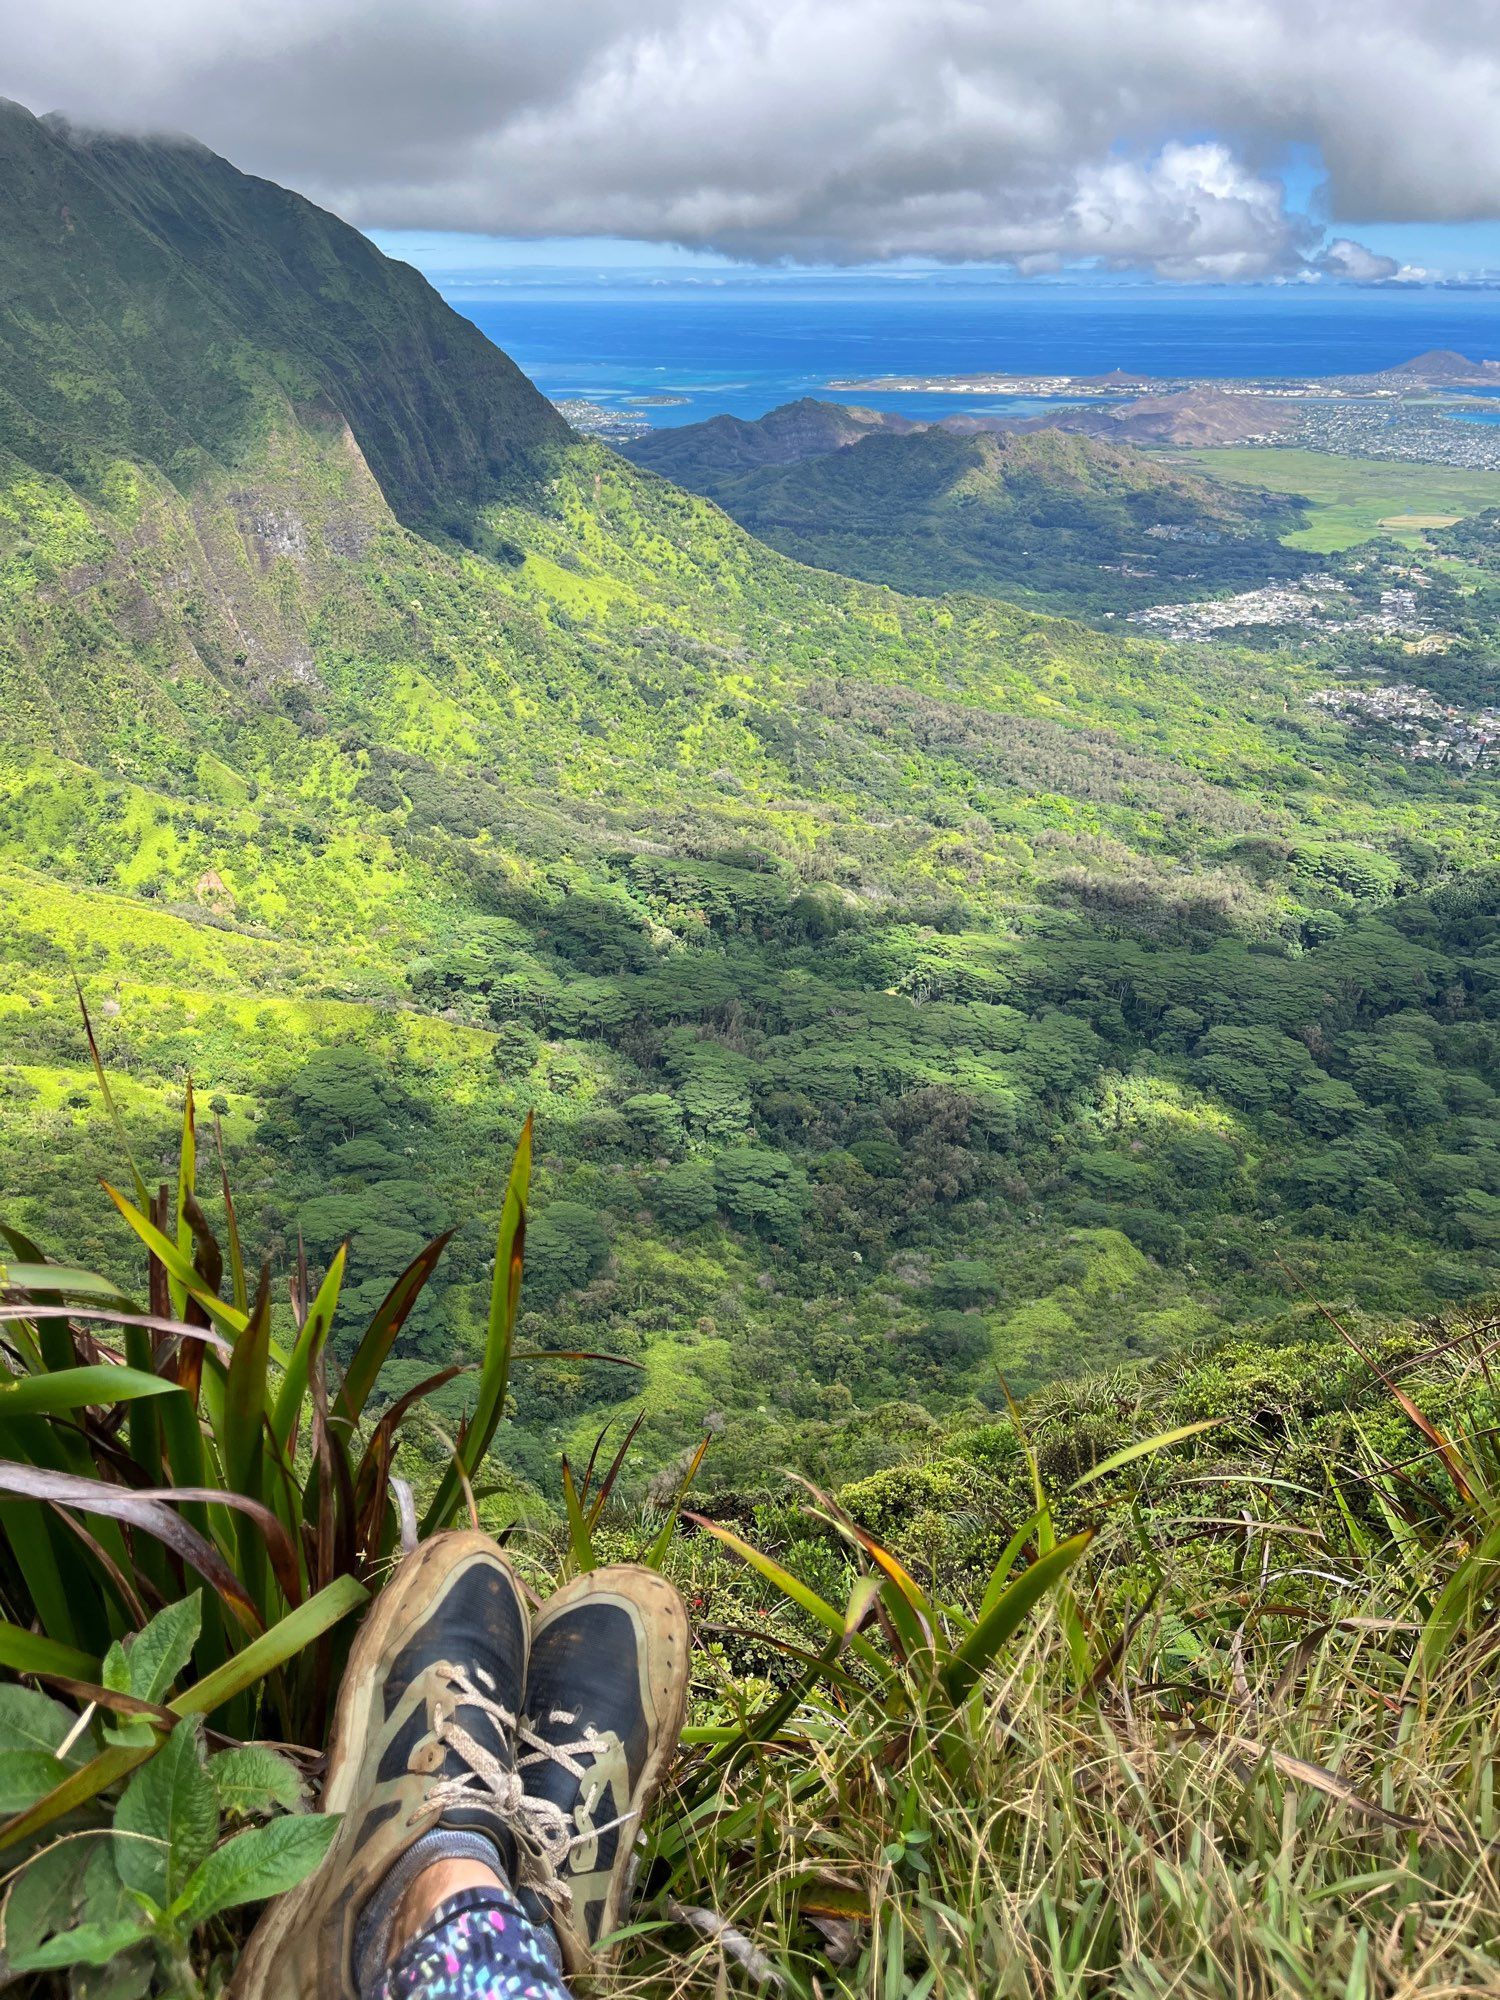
column 746, row 345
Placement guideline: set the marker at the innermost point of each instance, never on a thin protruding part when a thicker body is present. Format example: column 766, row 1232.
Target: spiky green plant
column 156, row 1438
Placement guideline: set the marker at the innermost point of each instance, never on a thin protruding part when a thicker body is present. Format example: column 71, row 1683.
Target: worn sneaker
column 421, row 1766
column 605, row 1700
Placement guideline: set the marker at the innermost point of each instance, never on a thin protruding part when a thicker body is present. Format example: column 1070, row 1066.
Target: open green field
column 1355, row 498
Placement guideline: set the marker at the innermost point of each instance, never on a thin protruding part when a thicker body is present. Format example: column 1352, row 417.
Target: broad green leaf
column 88, row 1944
column 131, row 1976
column 147, row 1664
column 265, row 1653
column 78, row 1388
column 32, row 1726
column 169, row 1816
column 75, row 1790
column 263, row 1862
column 45, row 1895
column 105, row 1897
column 26, row 1776
column 32, row 1721
column 252, row 1777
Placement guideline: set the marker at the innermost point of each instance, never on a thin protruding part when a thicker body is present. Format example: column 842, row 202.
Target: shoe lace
column 544, row 1834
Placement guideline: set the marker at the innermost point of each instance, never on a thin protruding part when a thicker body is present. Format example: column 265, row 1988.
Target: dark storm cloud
column 1026, row 130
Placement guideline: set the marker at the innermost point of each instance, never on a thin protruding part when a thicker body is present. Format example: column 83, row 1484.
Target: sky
column 1307, row 141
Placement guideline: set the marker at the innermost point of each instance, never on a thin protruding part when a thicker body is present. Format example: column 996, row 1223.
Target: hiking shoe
column 422, row 1767
column 605, row 1700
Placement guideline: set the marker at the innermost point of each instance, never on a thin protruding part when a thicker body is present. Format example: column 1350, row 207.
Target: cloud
column 1143, row 133
column 1352, row 261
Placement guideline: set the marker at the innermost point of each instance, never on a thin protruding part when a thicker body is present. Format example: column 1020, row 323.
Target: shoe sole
column 416, row 1578
column 669, row 1639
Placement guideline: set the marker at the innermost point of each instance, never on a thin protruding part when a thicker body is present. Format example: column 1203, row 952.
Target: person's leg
column 606, row 1697
column 460, row 1934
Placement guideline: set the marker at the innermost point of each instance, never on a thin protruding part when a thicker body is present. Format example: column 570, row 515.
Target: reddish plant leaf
column 139, row 1510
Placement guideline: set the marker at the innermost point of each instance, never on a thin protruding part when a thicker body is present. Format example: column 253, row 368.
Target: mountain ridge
column 260, row 256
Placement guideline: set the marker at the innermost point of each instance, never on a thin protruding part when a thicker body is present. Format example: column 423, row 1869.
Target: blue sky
column 449, row 257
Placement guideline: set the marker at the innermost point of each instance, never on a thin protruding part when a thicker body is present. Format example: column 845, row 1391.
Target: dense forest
column 906, row 987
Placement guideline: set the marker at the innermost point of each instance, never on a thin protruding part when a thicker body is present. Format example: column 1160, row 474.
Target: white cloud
column 1025, row 130
column 1352, row 261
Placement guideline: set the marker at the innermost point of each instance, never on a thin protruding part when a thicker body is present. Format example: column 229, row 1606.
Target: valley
column 907, row 987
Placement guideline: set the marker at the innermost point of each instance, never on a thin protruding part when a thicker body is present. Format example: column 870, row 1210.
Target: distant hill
column 694, row 454
column 1444, row 364
column 1185, row 417
column 907, row 988
column 1072, row 521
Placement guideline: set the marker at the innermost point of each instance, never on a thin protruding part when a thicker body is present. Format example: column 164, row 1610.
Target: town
column 1429, row 730
column 1316, row 603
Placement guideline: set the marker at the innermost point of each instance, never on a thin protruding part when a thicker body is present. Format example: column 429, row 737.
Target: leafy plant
column 190, row 1836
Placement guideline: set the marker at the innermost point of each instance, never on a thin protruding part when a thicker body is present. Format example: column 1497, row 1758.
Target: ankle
column 427, row 1892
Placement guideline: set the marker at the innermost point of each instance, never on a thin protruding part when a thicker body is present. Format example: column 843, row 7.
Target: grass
column 1122, row 1847
column 1353, row 499
column 1247, row 1747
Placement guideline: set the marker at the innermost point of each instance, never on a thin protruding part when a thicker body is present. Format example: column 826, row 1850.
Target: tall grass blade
column 380, row 1336
column 580, row 1542
column 239, row 1290
column 139, row 1510
column 494, row 1373
column 1146, row 1448
column 806, row 1599
column 78, row 1389
column 242, row 1441
column 34, row 1653
column 102, row 1079
column 187, row 1182
column 657, row 1553
column 178, row 1267
column 293, row 1391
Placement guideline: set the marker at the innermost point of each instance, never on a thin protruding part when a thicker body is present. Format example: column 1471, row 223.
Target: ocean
column 746, row 345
